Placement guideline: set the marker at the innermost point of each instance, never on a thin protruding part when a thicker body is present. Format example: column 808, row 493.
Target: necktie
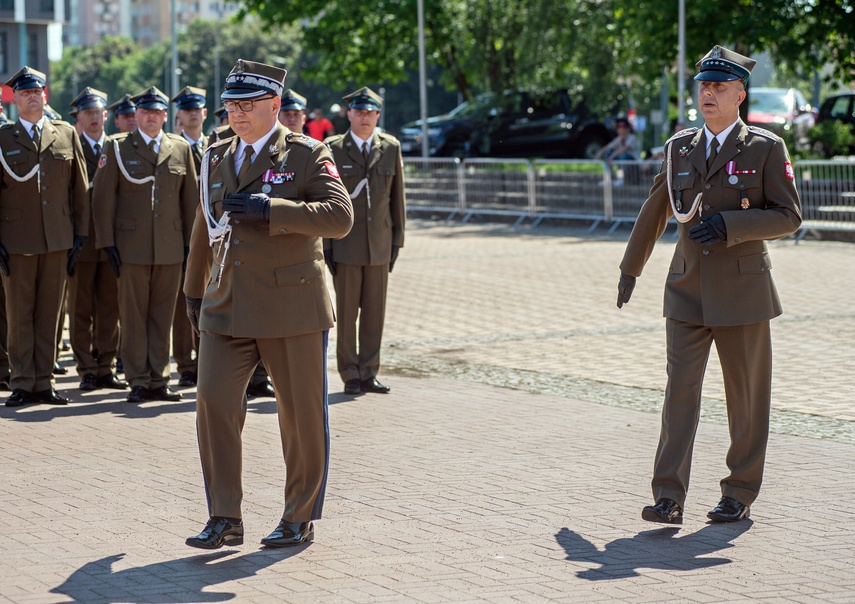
column 713, row 153
column 247, row 162
column 37, row 136
column 197, row 151
column 151, row 145
column 365, row 151
column 98, row 149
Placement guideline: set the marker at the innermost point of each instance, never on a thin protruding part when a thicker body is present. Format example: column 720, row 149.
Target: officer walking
column 93, row 303
column 44, row 223
column 372, row 169
column 268, row 197
column 144, row 202
column 731, row 187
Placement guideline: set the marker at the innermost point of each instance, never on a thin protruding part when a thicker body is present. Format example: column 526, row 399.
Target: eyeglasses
column 243, row 106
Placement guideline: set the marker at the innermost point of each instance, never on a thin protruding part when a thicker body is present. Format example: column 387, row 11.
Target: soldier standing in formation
column 268, row 197
column 93, row 303
column 292, row 113
column 144, row 201
column 731, row 187
column 372, row 169
column 190, row 103
column 44, row 223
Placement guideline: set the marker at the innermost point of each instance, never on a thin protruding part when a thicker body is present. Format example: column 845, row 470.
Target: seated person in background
column 625, row 146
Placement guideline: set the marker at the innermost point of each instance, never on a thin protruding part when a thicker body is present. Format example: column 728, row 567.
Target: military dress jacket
column 377, row 225
column 147, row 225
column 34, row 221
column 751, row 184
column 270, row 282
column 89, row 253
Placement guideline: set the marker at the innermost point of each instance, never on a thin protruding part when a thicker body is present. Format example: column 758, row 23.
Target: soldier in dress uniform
column 268, row 197
column 372, row 169
column 292, row 113
column 144, row 202
column 124, row 114
column 93, row 294
column 731, row 187
column 44, row 223
column 190, row 103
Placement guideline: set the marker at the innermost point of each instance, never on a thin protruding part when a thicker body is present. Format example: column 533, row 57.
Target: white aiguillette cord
column 696, row 204
column 36, row 171
column 362, row 184
column 219, row 231
column 128, row 177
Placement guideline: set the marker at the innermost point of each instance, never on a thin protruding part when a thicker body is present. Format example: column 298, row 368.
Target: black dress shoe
column 288, row 534
column 19, row 397
column 139, row 394
column 164, row 393
column 372, row 385
column 50, row 396
column 728, row 510
column 261, row 389
column 89, row 383
column 112, row 381
column 666, row 510
column 353, row 387
column 187, row 379
column 59, row 369
column 218, row 532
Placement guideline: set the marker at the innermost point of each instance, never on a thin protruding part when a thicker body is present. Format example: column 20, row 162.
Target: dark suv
column 839, row 107
column 513, row 124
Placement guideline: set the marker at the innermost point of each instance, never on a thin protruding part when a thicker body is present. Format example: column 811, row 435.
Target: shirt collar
column 93, row 142
column 29, row 125
column 359, row 141
column 148, row 139
column 190, row 140
column 258, row 145
column 721, row 136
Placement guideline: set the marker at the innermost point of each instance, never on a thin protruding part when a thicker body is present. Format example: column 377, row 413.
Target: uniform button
column 282, row 231
column 706, row 252
column 237, row 262
column 302, row 279
column 237, row 221
column 738, row 240
column 44, row 203
column 44, row 173
column 707, row 186
column 762, row 269
column 707, row 206
column 237, row 241
column 369, row 219
column 157, row 215
column 44, row 187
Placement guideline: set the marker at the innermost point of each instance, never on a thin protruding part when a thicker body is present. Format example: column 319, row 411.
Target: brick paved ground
column 509, row 463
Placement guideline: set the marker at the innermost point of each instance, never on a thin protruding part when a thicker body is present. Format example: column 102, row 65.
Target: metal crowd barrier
column 589, row 190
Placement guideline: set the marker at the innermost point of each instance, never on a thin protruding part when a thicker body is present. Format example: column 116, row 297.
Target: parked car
column 781, row 110
column 840, row 107
column 512, row 124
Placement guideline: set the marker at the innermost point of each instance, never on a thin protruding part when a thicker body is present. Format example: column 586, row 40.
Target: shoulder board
column 388, row 137
column 682, row 133
column 302, row 139
column 764, row 133
column 220, row 142
column 175, row 137
column 333, row 139
column 7, row 125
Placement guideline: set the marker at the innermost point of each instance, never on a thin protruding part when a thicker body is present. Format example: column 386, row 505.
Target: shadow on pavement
column 181, row 580
column 656, row 549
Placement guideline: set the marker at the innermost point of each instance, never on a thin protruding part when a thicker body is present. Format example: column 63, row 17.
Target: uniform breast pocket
column 742, row 190
column 285, row 191
column 135, row 169
column 683, row 186
column 176, row 177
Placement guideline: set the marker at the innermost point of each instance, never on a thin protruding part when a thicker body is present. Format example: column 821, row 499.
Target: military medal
column 266, row 188
column 733, row 179
column 215, row 160
column 684, row 151
column 273, row 149
column 745, row 203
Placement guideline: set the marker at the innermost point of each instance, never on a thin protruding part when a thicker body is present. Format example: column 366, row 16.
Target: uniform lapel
column 353, row 151
column 263, row 161
column 141, row 148
column 23, row 138
column 48, row 135
column 730, row 148
column 698, row 154
column 226, row 167
column 165, row 149
column 377, row 149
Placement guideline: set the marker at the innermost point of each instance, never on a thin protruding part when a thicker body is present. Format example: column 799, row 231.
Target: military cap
column 150, row 98
column 364, row 98
column 292, row 101
column 190, row 97
column 72, row 115
column 124, row 106
column 221, row 112
column 89, row 98
column 723, row 65
column 27, row 78
column 251, row 80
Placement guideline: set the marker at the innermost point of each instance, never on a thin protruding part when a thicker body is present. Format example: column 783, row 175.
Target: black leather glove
column 194, row 310
column 710, row 230
column 624, row 289
column 328, row 259
column 74, row 252
column 4, row 261
column 395, row 250
column 113, row 259
column 254, row 207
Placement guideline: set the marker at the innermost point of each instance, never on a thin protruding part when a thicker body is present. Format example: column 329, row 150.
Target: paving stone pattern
column 509, row 463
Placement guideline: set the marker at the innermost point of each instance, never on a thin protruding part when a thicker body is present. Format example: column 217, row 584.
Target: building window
column 47, row 6
column 33, row 50
column 7, row 4
column 4, row 52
